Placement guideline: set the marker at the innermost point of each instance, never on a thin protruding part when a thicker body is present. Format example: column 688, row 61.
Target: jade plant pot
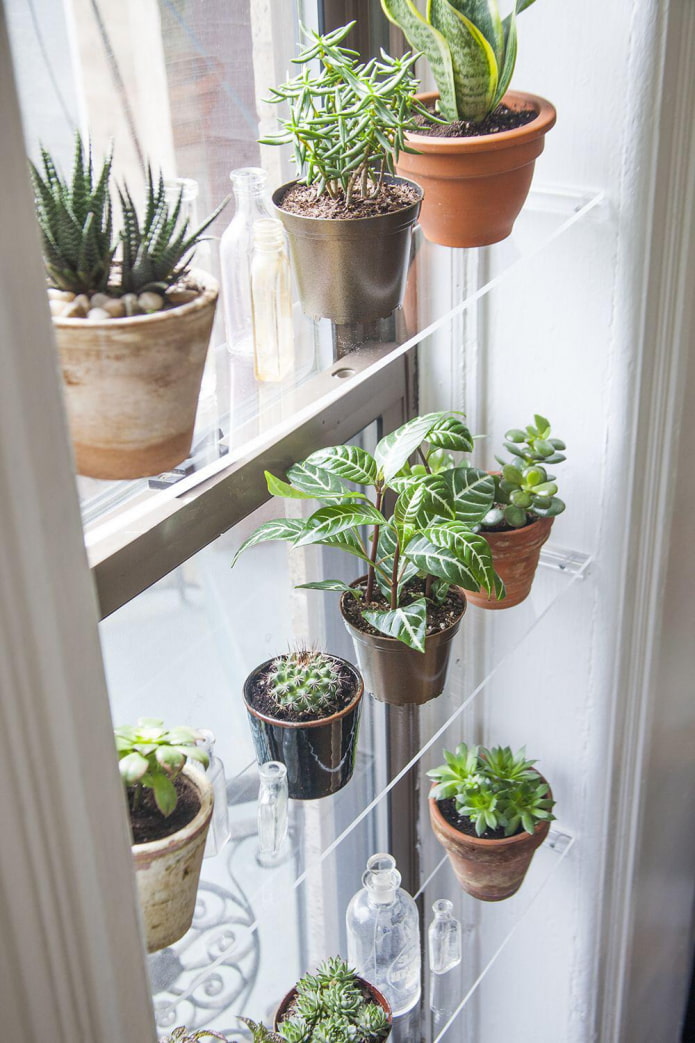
column 490, row 870
column 351, row 269
column 397, row 674
column 476, row 186
column 319, row 754
column 515, row 555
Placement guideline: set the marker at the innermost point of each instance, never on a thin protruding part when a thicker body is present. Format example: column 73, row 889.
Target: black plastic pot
column 319, row 755
column 350, row 270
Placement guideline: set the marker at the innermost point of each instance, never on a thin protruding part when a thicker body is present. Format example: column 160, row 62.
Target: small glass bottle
column 271, row 302
column 219, row 831
column 236, row 250
column 384, row 934
column 444, row 936
column 272, row 813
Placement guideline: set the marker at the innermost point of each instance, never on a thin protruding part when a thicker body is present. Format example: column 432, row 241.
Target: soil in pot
column 148, row 823
column 300, row 199
column 502, row 119
column 439, row 617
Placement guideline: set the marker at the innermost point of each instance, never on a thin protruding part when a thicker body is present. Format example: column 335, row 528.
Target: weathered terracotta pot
column 167, row 872
column 475, row 187
column 515, row 557
column 319, row 755
column 352, row 269
column 377, row 996
column 397, row 674
column 490, row 870
column 131, row 385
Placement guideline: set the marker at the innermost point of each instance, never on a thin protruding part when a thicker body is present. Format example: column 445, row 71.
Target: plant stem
column 369, row 592
column 394, row 578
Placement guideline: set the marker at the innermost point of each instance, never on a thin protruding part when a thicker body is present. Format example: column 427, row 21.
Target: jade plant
column 470, row 48
column 151, row 757
column 428, row 536
column 332, row 1007
column 305, row 681
column 75, row 219
column 525, row 490
column 347, row 121
column 495, row 788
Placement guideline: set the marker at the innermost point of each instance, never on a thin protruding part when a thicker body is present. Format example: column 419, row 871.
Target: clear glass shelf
column 244, row 909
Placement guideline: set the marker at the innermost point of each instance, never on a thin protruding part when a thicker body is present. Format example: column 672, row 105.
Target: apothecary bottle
column 236, row 250
column 384, row 934
column 444, row 944
column 271, row 303
column 219, row 832
column 272, row 812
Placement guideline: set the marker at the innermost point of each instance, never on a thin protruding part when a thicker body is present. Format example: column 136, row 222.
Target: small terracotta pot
column 515, row 555
column 167, row 872
column 490, row 870
column 131, row 385
column 319, row 755
column 397, row 674
column 286, row 1003
column 475, row 187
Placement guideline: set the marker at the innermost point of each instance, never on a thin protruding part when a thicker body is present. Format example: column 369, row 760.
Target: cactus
column 305, row 682
column 331, row 1007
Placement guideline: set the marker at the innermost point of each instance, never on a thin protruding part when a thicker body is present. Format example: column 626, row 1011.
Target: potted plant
column 348, row 220
column 526, row 504
column 477, row 170
column 170, row 806
column 404, row 613
column 132, row 334
column 304, row 711
column 333, row 1004
column 183, row 1035
column 490, row 809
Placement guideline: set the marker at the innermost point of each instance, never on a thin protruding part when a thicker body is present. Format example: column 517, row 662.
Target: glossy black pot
column 319, row 755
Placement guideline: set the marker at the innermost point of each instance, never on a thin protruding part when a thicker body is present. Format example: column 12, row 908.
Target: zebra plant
column 429, row 535
column 471, row 50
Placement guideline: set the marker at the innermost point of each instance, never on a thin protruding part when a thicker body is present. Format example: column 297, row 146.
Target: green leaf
column 473, row 60
column 164, row 794
column 424, row 38
column 320, row 484
column 452, row 434
column 172, row 760
column 472, row 493
column 486, row 16
column 470, row 548
column 407, row 624
column 328, row 584
column 431, row 498
column 277, row 529
column 442, row 562
column 327, row 521
column 347, row 461
column 393, row 451
column 132, row 768
column 279, row 488
column 508, row 62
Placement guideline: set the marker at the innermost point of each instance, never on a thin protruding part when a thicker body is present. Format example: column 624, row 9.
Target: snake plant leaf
column 328, row 521
column 407, row 624
column 287, row 529
column 393, row 451
column 506, row 68
column 472, row 492
column 347, row 461
column 486, row 15
column 473, row 60
column 442, row 562
column 424, row 37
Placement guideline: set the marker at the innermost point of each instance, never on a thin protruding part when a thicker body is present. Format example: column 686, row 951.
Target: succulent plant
column 305, row 681
column 494, row 788
column 347, row 121
column 331, row 1007
column 259, row 1032
column 151, row 757
column 470, row 48
column 75, row 221
column 525, row 490
column 429, row 535
column 183, row 1035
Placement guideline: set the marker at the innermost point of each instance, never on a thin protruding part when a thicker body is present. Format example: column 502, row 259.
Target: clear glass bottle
column 272, row 813
column 444, row 937
column 219, row 831
column 384, row 934
column 271, row 302
column 236, row 250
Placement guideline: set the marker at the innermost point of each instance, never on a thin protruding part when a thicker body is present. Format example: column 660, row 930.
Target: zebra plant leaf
column 346, row 461
column 472, row 58
column 452, row 434
column 276, row 487
column 432, row 498
column 441, row 562
column 287, row 529
column 328, row 521
column 471, row 548
column 472, row 493
column 385, row 551
column 317, row 483
column 407, row 624
column 423, row 37
column 393, row 451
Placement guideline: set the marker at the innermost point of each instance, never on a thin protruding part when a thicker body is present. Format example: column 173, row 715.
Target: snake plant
column 470, row 48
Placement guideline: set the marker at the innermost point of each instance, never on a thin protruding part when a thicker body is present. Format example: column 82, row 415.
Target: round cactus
column 306, row 682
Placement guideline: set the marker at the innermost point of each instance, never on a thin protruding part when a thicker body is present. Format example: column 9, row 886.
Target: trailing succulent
column 494, row 788
column 525, row 490
column 76, row 225
column 347, row 121
column 305, row 681
column 430, row 534
column 470, row 48
column 330, row 1007
column 151, row 757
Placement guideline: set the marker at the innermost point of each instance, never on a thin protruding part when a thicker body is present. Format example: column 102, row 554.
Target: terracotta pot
column 319, row 755
column 490, row 870
column 475, row 187
column 131, row 385
column 350, row 270
column 397, row 674
column 515, row 557
column 167, row 872
column 285, row 1004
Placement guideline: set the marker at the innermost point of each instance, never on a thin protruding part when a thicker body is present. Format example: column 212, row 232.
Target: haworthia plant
column 470, row 48
column 431, row 532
